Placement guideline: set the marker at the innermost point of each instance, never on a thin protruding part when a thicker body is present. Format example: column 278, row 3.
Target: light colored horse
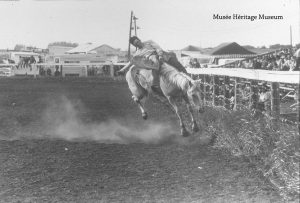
column 174, row 84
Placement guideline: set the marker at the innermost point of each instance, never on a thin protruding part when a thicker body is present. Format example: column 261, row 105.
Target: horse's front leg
column 195, row 127
column 184, row 132
column 140, row 103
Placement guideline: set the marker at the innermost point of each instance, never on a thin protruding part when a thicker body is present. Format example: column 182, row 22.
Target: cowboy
column 264, row 100
column 31, row 61
column 150, row 56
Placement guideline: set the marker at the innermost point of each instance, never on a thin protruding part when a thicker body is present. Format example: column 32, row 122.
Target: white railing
column 68, row 64
column 292, row 77
column 277, row 79
column 33, row 69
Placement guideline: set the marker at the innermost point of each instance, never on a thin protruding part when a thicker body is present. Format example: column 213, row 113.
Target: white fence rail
column 67, row 64
column 277, row 79
column 33, row 69
column 292, row 77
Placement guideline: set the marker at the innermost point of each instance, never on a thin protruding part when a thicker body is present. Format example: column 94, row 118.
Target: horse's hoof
column 195, row 128
column 135, row 99
column 145, row 116
column 185, row 133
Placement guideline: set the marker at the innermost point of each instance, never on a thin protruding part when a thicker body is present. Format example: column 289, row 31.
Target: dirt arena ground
column 85, row 141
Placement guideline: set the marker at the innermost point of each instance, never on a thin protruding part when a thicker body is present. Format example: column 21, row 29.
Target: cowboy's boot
column 155, row 84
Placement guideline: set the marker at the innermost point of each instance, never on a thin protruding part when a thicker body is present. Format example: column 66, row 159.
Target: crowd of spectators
column 194, row 63
column 283, row 60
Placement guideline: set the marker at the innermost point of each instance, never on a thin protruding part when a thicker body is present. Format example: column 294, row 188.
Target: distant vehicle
column 6, row 68
column 6, row 72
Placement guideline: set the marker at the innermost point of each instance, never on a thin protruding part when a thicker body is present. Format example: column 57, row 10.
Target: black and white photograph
column 139, row 101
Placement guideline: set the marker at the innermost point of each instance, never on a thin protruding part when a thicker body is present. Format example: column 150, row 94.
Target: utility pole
column 135, row 27
column 291, row 38
column 135, row 18
column 130, row 27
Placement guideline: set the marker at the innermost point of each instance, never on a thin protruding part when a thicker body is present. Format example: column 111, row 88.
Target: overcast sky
column 173, row 24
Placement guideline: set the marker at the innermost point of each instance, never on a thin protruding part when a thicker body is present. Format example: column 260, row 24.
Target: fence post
column 250, row 97
column 297, row 100
column 235, row 93
column 34, row 67
column 61, row 70
column 214, row 91
column 254, row 94
column 275, row 101
column 112, row 71
column 216, row 83
column 204, row 89
column 227, row 92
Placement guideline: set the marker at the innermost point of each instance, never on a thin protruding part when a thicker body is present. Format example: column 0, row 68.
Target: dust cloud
column 63, row 120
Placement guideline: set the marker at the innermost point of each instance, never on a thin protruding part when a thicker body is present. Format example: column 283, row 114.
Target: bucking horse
column 174, row 84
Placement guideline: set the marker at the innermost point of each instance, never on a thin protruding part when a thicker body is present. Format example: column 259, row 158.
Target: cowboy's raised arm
column 126, row 67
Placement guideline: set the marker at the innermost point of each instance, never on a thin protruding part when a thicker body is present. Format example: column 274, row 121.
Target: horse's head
column 194, row 95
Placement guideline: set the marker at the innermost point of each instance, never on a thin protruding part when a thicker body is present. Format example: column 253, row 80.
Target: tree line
column 21, row 47
column 273, row 46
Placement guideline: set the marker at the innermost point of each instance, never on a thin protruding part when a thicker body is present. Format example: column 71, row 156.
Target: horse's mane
column 171, row 75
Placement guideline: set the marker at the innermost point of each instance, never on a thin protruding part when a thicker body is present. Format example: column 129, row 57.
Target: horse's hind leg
column 140, row 103
column 195, row 127
column 184, row 132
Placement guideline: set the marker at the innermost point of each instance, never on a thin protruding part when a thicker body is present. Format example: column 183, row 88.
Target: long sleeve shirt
column 147, row 56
